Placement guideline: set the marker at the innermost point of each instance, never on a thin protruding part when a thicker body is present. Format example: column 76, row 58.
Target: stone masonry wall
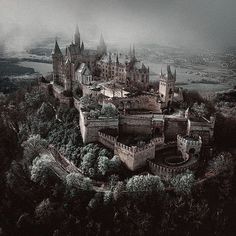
column 107, row 140
column 134, row 157
column 173, row 127
column 135, row 125
column 90, row 127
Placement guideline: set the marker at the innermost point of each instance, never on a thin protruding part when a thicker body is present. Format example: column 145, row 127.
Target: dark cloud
column 191, row 23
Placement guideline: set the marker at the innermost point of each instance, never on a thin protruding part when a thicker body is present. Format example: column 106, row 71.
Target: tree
column 46, row 112
column 33, row 146
column 44, row 212
column 88, row 162
column 109, row 110
column 199, row 110
column 222, row 162
column 183, row 183
column 41, row 169
column 103, row 165
column 75, row 180
column 140, row 185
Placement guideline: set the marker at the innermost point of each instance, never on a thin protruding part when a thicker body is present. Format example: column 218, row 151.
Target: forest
column 38, row 197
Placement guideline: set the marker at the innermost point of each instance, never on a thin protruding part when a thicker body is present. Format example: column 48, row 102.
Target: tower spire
column 77, row 36
column 56, row 50
column 133, row 51
column 130, row 51
column 117, row 58
column 102, row 48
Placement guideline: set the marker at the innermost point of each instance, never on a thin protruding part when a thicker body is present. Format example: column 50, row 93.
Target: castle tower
column 57, row 62
column 102, row 48
column 167, row 86
column 77, row 36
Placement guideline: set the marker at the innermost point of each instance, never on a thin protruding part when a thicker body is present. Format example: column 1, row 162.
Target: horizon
column 178, row 23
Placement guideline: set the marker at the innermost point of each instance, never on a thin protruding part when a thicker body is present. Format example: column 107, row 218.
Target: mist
column 186, row 23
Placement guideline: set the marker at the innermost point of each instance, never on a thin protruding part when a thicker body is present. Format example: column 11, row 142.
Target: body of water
column 39, row 67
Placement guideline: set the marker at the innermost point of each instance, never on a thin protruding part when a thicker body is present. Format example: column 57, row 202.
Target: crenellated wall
column 168, row 172
column 188, row 146
column 134, row 157
column 107, row 140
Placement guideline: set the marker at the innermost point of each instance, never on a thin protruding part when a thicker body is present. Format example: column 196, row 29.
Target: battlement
column 170, row 171
column 158, row 141
column 187, row 140
column 135, row 157
column 107, row 137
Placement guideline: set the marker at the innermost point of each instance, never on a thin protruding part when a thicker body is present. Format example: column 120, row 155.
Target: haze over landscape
column 188, row 23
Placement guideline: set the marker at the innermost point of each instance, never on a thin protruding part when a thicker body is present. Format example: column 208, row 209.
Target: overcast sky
column 190, row 23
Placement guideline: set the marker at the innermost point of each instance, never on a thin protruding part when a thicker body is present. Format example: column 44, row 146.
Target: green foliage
column 34, row 99
column 108, row 197
column 140, row 184
column 33, row 146
column 46, row 112
column 221, row 163
column 87, row 163
column 89, row 103
column 41, row 169
column 96, row 161
column 199, row 109
column 183, row 183
column 75, row 180
column 103, row 165
column 109, row 110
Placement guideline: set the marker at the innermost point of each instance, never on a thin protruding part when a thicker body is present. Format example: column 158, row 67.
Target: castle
column 120, row 110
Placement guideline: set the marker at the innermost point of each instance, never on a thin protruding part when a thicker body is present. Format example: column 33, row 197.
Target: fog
column 188, row 23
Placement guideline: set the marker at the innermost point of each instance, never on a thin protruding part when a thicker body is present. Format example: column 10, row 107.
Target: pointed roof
column 77, row 30
column 130, row 51
column 56, row 50
column 133, row 51
column 117, row 58
column 82, row 46
column 168, row 69
column 101, row 41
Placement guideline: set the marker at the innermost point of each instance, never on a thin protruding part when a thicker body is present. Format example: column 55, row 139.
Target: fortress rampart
column 107, row 140
column 168, row 172
column 134, row 157
column 89, row 127
column 188, row 146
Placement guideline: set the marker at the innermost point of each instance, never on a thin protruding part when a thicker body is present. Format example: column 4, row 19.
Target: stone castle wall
column 107, row 140
column 135, row 124
column 173, row 127
column 134, row 157
column 58, row 93
column 142, row 102
column 189, row 147
column 168, row 172
column 89, row 128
